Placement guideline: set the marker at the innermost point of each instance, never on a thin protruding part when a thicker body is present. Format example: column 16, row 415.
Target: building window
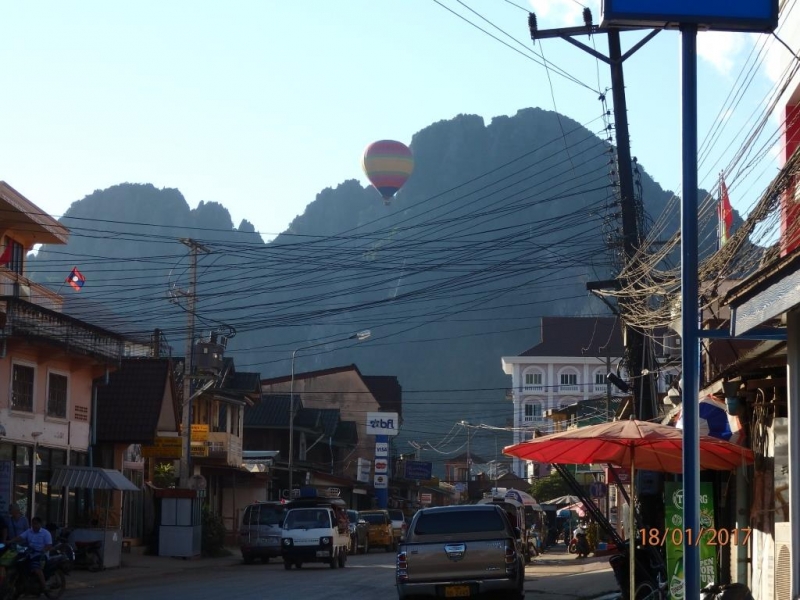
column 599, row 379
column 22, row 388
column 533, row 379
column 569, row 379
column 533, row 411
column 16, row 256
column 57, row 396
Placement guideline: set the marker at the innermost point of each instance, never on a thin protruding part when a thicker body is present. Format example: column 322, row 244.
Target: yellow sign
column 162, row 451
column 199, row 432
column 199, row 450
column 168, row 441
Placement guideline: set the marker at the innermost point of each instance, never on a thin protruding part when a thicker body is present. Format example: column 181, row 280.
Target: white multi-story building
column 568, row 366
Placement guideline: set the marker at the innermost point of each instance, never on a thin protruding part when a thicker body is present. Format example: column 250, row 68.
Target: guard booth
column 180, row 522
column 104, row 524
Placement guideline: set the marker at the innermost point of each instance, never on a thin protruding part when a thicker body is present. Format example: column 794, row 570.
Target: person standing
column 17, row 522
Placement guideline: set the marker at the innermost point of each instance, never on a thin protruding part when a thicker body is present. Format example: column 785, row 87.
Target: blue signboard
column 719, row 15
column 421, row 471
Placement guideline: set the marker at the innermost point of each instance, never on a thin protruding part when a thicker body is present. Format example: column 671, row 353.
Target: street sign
column 416, row 469
column 364, row 468
column 381, row 466
column 598, row 490
column 425, row 498
column 719, row 15
column 381, row 482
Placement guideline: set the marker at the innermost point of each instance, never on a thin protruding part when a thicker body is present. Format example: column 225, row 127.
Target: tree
column 548, row 487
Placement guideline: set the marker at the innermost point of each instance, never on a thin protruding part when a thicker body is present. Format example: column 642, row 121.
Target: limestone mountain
column 500, row 224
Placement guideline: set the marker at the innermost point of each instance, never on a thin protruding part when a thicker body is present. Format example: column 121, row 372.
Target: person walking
column 17, row 522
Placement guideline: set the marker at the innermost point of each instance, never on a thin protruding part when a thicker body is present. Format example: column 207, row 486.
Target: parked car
column 398, row 520
column 461, row 551
column 359, row 533
column 380, row 528
column 260, row 533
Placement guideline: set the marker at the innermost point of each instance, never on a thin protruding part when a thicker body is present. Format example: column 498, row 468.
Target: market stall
column 104, row 524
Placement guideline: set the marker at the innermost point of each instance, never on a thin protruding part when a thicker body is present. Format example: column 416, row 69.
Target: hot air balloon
column 387, row 164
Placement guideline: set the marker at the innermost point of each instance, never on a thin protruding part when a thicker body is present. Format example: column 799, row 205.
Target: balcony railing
column 569, row 388
column 533, row 387
column 224, row 448
column 23, row 319
column 18, row 286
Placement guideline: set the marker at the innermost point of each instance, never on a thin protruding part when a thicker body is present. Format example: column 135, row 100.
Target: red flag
column 725, row 213
column 75, row 279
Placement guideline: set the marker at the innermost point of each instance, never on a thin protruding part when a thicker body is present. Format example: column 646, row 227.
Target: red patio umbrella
column 631, row 443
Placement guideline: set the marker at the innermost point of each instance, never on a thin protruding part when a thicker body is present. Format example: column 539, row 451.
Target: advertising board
column 718, row 15
column 381, row 423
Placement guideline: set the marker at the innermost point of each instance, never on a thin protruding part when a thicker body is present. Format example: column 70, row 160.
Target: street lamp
column 360, row 336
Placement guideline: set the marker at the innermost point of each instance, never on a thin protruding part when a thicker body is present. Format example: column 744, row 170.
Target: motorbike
column 650, row 571
column 86, row 555
column 579, row 545
column 20, row 580
column 728, row 591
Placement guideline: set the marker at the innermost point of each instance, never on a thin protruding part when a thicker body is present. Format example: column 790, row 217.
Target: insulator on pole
column 532, row 26
column 587, row 17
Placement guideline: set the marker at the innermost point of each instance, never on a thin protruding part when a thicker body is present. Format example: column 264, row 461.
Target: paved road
column 370, row 576
column 555, row 575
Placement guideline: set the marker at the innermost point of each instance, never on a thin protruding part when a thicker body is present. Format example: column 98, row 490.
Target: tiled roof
column 128, row 407
column 579, row 336
column 273, row 413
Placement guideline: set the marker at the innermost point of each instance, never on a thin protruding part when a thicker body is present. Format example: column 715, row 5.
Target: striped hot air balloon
column 387, row 164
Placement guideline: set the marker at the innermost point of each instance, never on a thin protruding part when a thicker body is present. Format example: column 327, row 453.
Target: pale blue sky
column 262, row 104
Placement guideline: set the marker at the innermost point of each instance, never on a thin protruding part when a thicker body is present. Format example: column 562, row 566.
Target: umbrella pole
column 632, row 535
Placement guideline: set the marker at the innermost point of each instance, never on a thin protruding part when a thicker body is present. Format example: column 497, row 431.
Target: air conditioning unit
column 783, row 561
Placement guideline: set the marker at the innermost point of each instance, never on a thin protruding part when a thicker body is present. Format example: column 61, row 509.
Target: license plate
column 322, row 553
column 456, row 591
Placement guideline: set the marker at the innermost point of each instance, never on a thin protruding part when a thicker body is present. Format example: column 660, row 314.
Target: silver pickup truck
column 461, row 552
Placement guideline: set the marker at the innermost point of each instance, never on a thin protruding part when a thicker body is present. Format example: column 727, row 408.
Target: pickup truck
column 461, row 552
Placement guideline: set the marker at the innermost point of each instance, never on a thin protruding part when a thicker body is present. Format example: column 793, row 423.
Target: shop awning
column 91, row 478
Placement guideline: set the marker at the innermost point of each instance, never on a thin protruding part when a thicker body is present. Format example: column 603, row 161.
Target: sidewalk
column 136, row 565
column 558, row 575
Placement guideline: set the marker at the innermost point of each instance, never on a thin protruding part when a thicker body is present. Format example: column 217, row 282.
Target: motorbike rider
column 40, row 541
column 582, row 543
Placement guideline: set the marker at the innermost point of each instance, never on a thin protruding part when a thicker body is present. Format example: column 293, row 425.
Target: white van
column 312, row 533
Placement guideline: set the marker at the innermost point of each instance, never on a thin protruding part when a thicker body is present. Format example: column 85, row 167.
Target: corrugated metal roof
column 91, row 478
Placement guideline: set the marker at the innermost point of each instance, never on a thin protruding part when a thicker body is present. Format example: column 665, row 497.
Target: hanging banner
column 674, row 534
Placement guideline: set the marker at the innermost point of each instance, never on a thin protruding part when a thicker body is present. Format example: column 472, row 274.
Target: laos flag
column 76, row 279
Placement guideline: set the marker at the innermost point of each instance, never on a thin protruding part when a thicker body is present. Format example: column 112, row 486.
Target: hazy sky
column 262, row 104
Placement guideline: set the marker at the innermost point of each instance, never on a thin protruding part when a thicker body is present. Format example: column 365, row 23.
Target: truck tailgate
column 456, row 560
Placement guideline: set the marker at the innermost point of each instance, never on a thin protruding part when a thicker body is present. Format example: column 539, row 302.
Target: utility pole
column 637, row 355
column 188, row 366
column 631, row 235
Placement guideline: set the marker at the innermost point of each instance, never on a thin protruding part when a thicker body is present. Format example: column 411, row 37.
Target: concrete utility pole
column 631, row 235
column 186, row 407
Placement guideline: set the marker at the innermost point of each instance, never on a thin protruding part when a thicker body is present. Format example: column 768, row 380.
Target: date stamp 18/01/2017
column 708, row 535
